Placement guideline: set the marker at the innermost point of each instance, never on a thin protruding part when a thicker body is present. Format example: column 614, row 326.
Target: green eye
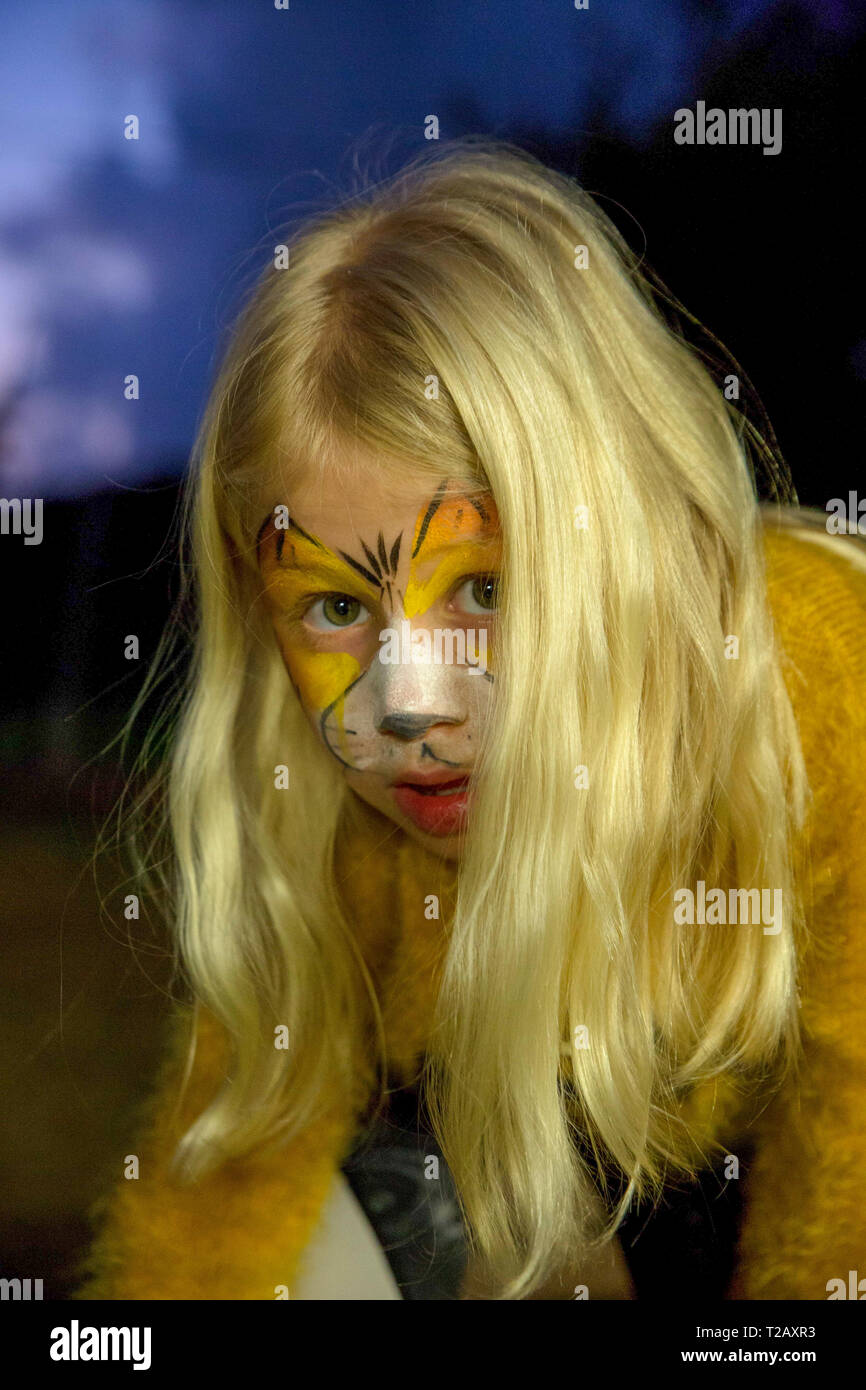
column 335, row 610
column 485, row 591
column 341, row 609
column 479, row 594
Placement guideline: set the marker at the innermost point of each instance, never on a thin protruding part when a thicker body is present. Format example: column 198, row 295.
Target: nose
column 410, row 726
column 418, row 691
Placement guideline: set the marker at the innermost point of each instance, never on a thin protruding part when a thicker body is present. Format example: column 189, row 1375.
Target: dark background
column 120, row 257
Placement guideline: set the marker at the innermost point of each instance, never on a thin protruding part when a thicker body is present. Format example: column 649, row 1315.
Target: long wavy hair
column 628, row 492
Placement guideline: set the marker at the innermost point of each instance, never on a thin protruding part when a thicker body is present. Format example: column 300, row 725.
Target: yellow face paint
column 452, row 539
column 297, row 568
column 457, row 540
column 390, row 722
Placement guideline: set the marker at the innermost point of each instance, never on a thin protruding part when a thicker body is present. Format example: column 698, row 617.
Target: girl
column 514, row 784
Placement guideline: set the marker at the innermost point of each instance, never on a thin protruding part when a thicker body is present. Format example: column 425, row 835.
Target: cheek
column 481, row 708
column 483, row 649
column 320, row 677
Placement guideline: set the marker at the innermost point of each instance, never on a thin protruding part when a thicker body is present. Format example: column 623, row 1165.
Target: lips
column 437, row 802
column 432, row 779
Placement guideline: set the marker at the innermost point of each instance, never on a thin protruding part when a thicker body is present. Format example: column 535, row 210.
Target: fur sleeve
column 238, row 1233
column 805, row 1212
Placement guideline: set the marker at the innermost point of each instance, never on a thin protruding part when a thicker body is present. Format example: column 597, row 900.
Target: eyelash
column 307, row 602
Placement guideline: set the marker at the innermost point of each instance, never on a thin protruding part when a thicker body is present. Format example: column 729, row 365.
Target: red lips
column 436, row 802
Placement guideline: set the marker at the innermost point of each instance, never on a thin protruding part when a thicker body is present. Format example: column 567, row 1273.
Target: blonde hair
column 625, row 485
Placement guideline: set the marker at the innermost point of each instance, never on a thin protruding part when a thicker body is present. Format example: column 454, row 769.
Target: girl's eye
column 482, row 591
column 335, row 610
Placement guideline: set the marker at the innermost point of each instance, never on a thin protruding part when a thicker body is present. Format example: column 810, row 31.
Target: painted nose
column 409, row 726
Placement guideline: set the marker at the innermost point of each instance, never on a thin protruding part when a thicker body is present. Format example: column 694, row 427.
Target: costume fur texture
column 241, row 1233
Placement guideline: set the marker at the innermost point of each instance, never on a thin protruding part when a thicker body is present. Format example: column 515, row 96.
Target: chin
column 447, row 847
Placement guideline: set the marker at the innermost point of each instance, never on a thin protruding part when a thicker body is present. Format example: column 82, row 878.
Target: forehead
column 338, row 505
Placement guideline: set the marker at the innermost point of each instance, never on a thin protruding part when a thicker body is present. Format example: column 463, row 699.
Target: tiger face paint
column 384, row 609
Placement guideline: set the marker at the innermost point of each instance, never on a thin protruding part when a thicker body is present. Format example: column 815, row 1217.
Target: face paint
column 405, row 731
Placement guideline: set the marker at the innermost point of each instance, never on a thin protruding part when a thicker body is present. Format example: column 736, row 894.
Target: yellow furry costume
column 242, row 1232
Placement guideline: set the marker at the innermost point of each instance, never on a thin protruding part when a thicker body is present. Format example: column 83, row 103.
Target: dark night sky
column 119, row 256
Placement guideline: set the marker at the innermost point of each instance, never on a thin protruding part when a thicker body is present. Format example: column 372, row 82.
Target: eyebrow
column 476, row 542
column 326, row 568
column 281, row 535
column 328, row 573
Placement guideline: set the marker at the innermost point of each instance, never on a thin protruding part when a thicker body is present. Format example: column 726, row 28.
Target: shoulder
column 816, row 586
column 816, row 589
